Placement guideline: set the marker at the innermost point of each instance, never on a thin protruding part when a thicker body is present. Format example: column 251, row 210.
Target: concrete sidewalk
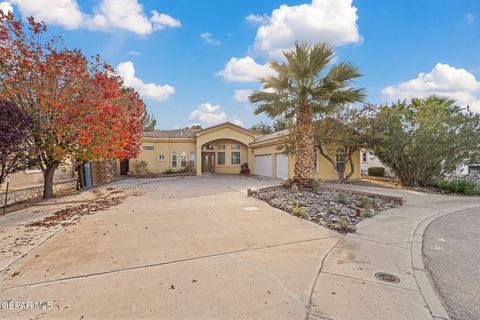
column 391, row 242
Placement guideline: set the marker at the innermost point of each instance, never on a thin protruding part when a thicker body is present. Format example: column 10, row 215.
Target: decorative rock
column 294, row 188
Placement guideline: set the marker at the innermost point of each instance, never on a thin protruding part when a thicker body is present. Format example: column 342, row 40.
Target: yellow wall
column 228, row 167
column 222, row 133
column 327, row 172
column 165, row 147
column 272, row 150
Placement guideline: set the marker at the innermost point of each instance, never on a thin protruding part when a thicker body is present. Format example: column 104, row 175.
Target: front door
column 124, row 167
column 208, row 162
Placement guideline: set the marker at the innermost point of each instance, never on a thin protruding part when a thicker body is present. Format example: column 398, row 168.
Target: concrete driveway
column 451, row 248
column 193, row 247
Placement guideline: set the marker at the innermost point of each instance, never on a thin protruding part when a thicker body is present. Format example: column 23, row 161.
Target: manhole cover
column 387, row 277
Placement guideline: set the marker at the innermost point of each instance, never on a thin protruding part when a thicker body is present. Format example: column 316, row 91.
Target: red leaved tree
column 77, row 110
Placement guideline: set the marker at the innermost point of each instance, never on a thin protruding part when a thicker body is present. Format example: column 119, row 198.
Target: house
column 368, row 160
column 28, row 184
column 223, row 149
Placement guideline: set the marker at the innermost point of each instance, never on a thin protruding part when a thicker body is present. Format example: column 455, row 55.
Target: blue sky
column 178, row 71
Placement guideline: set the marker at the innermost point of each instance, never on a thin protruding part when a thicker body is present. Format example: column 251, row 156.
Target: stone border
column 399, row 200
column 427, row 291
column 160, row 175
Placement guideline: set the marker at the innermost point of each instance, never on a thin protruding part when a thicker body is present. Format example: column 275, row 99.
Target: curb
column 427, row 291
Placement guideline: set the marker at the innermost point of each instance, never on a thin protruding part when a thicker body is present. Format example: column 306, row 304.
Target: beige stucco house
column 222, row 149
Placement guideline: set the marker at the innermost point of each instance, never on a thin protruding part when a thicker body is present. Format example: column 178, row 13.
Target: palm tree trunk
column 304, row 143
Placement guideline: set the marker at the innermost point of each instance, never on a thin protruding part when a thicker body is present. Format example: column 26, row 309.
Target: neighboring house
column 471, row 169
column 29, row 183
column 223, row 149
column 368, row 160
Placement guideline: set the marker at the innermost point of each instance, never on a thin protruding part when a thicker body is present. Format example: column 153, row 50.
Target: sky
column 197, row 61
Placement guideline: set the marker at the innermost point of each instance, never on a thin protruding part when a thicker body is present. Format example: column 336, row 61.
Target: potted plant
column 244, row 168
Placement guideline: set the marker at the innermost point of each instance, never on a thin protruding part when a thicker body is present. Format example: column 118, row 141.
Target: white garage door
column 281, row 163
column 263, row 165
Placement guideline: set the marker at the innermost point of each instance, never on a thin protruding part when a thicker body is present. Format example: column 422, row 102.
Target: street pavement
column 452, row 256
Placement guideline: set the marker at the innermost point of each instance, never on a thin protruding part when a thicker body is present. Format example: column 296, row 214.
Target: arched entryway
column 208, row 158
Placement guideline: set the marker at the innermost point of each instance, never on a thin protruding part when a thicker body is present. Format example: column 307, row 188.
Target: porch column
column 199, row 160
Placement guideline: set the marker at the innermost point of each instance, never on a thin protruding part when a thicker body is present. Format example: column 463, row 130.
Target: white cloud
column 107, row 16
column 59, row 12
column 207, row 114
column 162, row 21
column 207, row 36
column 470, row 18
column 444, row 81
column 333, row 21
column 257, row 19
column 6, row 7
column 244, row 70
column 147, row 90
column 133, row 53
column 242, row 95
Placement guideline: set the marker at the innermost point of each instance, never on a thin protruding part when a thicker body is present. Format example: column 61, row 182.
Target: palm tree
column 302, row 89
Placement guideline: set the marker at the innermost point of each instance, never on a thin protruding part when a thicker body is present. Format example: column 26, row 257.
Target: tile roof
column 272, row 136
column 177, row 133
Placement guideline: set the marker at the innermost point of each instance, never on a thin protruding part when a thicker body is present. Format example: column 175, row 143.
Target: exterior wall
column 372, row 161
column 220, row 134
column 34, row 178
column 29, row 184
column 273, row 150
column 228, row 167
column 165, row 147
column 325, row 170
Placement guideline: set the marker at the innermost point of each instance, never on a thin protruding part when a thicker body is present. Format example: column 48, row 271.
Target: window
column 148, row 148
column 221, row 147
column 174, row 159
column 340, row 159
column 235, row 154
column 364, row 156
column 235, row 158
column 192, row 158
column 161, row 157
column 183, row 159
column 221, row 158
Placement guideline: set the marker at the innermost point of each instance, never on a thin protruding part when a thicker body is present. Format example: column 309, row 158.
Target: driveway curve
column 452, row 257
column 176, row 248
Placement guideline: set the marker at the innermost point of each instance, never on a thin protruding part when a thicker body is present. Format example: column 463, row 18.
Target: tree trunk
column 48, row 174
column 80, row 182
column 304, row 142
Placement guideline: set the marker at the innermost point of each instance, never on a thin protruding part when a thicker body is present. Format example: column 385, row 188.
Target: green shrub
column 342, row 198
column 365, row 202
column 317, row 185
column 467, row 187
column 300, row 211
column 376, row 172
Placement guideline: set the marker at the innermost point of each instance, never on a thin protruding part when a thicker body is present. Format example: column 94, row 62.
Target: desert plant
column 368, row 214
column 376, row 171
column 302, row 88
column 141, row 167
column 299, row 211
column 422, row 140
column 342, row 198
column 467, row 187
column 317, row 185
column 365, row 202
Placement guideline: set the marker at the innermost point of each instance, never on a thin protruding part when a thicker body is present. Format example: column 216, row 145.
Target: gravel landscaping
column 336, row 210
